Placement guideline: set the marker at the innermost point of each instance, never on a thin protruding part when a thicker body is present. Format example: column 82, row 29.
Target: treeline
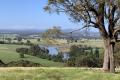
column 83, row 56
column 18, row 41
column 28, row 42
column 38, row 51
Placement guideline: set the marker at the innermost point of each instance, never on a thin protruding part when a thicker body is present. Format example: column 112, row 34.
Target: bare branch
column 116, row 19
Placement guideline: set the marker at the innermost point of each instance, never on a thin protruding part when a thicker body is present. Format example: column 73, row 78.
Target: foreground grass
column 55, row 74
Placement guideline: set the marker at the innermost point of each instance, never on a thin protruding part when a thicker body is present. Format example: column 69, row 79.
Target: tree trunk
column 111, row 55
column 108, row 64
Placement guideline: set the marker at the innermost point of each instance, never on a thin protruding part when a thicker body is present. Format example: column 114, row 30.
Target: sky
column 29, row 14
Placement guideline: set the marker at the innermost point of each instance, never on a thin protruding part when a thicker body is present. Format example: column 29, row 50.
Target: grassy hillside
column 55, row 74
column 8, row 54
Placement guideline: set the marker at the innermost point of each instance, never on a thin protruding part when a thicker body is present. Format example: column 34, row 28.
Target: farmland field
column 52, row 73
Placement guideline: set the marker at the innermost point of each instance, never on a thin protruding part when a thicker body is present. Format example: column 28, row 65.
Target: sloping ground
column 21, row 63
column 55, row 74
column 8, row 54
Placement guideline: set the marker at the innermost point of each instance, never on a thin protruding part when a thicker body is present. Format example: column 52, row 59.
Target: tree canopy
column 101, row 14
column 93, row 13
column 54, row 32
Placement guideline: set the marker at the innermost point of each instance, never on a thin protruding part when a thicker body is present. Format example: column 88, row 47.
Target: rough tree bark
column 108, row 64
column 111, row 55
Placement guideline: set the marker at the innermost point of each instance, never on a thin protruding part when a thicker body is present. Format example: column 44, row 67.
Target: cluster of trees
column 9, row 41
column 90, row 57
column 41, row 52
column 17, row 40
column 22, row 51
column 84, row 56
column 54, row 32
column 57, row 58
column 34, row 50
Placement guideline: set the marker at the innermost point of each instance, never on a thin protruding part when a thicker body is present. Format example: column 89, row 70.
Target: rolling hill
column 8, row 54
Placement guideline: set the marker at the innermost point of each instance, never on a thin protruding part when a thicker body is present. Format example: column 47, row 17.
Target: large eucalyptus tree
column 101, row 14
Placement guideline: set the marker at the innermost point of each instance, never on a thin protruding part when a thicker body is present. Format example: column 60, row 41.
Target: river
column 54, row 50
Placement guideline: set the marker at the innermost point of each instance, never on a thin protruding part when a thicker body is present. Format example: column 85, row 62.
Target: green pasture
column 8, row 54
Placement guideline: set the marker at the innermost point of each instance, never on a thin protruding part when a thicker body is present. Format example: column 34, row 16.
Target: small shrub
column 22, row 51
column 2, row 42
column 21, row 55
column 38, row 39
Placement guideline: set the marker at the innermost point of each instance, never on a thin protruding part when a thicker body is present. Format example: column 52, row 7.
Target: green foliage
column 36, row 50
column 117, row 55
column 22, row 51
column 80, row 10
column 38, row 39
column 2, row 42
column 59, row 1
column 55, row 32
column 22, row 55
column 9, row 40
column 23, row 63
column 8, row 54
column 42, row 52
column 19, row 39
column 84, row 56
column 96, row 53
column 28, row 42
column 57, row 58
